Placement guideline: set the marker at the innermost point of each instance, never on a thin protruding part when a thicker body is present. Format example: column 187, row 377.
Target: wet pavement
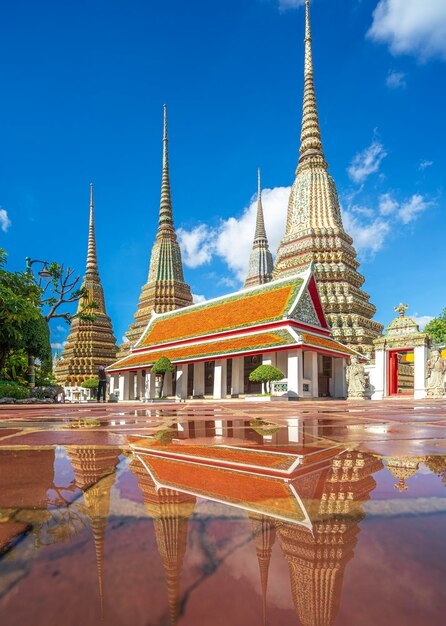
column 310, row 513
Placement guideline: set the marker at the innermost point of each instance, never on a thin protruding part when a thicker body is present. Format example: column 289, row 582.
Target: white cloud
column 62, row 329
column 197, row 245
column 415, row 27
column 5, row 222
column 232, row 239
column 197, row 298
column 387, row 205
column 367, row 162
column 410, row 210
column 425, row 164
column 124, row 339
column 422, row 320
column 367, row 238
column 396, row 80
column 58, row 345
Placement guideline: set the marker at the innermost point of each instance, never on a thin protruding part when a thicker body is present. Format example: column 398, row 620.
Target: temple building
column 90, row 343
column 315, row 233
column 215, row 345
column 165, row 289
column 260, row 266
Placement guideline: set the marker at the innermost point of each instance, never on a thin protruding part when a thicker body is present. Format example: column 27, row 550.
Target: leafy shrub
column 10, row 389
column 265, row 374
column 91, row 383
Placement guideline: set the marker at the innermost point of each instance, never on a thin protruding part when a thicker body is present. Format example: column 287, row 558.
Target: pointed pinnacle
column 310, row 138
column 165, row 214
column 260, row 232
column 92, row 261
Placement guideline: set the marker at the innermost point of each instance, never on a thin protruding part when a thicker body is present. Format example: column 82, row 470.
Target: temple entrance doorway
column 209, row 378
column 251, row 362
column 325, row 374
column 401, row 372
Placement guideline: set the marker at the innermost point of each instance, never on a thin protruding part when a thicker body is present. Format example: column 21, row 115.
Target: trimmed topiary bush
column 10, row 389
column 265, row 374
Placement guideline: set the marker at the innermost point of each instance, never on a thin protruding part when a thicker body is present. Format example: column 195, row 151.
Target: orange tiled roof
column 265, row 494
column 236, row 456
column 241, row 310
column 209, row 349
column 325, row 343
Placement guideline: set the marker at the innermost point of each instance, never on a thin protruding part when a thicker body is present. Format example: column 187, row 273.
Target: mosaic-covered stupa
column 90, row 343
column 315, row 233
column 165, row 288
column 260, row 266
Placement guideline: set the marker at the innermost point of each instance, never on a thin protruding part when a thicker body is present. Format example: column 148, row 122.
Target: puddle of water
column 217, row 521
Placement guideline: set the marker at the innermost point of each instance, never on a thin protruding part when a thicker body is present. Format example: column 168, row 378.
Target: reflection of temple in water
column 170, row 511
column 403, row 468
column 95, row 473
column 314, row 507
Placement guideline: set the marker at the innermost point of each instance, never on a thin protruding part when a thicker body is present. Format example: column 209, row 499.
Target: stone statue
column 356, row 379
column 436, row 368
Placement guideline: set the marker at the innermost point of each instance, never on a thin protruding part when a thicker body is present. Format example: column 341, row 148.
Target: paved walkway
column 388, row 428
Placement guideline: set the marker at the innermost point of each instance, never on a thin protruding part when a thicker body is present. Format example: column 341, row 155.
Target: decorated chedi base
column 90, row 343
column 314, row 232
column 436, row 368
column 165, row 289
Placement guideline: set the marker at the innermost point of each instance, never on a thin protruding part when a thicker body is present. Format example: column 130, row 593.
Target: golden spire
column 401, row 309
column 264, row 534
column 260, row 223
column 310, row 138
column 165, row 222
column 92, row 261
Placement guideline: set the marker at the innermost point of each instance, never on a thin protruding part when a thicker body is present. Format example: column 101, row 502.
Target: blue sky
column 83, row 84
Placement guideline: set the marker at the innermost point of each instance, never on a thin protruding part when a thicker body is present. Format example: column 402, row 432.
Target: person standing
column 102, row 386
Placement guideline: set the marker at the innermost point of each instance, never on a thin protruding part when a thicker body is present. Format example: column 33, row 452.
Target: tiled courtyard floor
column 324, row 513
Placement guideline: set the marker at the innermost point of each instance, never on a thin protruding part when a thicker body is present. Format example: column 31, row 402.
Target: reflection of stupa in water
column 403, row 468
column 264, row 535
column 317, row 558
column 170, row 511
column 95, row 473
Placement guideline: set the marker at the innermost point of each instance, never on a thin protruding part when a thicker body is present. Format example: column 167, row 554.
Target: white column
column 124, row 380
column 181, row 392
column 340, row 378
column 111, row 388
column 220, row 379
column 379, row 381
column 150, row 392
column 198, row 380
column 167, row 389
column 421, row 355
column 269, row 358
column 295, row 374
column 312, row 371
column 237, row 376
column 136, row 376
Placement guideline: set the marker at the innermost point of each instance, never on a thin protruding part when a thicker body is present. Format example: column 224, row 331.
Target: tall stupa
column 315, row 233
column 165, row 288
column 260, row 266
column 90, row 343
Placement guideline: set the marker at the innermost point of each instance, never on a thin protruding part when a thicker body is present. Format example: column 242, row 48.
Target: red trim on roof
column 312, row 289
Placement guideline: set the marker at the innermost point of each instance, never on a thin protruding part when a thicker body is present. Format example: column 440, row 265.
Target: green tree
column 265, row 374
column 19, row 305
column 437, row 328
column 162, row 367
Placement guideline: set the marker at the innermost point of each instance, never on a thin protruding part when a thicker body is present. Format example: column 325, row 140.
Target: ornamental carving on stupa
column 260, row 267
column 165, row 288
column 89, row 343
column 402, row 332
column 315, row 232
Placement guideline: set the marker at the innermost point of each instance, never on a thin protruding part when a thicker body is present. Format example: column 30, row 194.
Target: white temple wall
column 181, row 387
column 238, row 364
column 295, row 374
column 220, row 379
column 339, row 378
column 421, row 355
column 198, row 390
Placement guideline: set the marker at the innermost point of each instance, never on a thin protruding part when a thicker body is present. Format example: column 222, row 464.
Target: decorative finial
column 310, row 138
column 401, row 309
column 165, row 222
column 92, row 261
